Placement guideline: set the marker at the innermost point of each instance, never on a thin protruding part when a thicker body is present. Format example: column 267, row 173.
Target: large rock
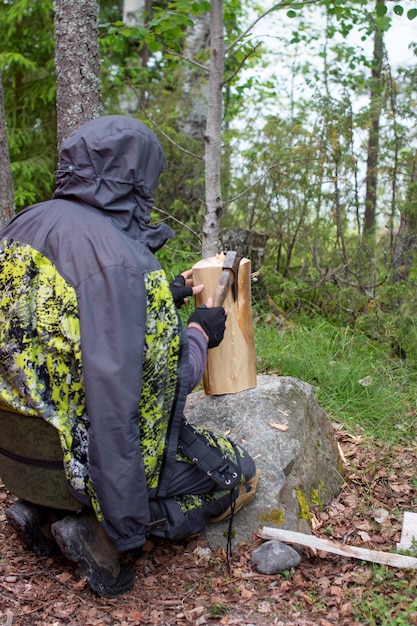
column 300, row 466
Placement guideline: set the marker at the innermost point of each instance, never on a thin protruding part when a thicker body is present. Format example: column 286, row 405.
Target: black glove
column 180, row 291
column 212, row 321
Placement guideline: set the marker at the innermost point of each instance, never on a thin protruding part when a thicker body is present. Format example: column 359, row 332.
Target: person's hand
column 182, row 287
column 211, row 321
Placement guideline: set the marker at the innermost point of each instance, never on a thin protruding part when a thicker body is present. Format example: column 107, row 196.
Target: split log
column 311, row 541
column 231, row 367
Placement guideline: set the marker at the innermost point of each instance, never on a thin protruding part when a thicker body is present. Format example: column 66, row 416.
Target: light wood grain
column 325, row 545
column 231, row 367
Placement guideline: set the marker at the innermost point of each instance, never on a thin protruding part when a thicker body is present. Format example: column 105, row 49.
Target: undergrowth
column 357, row 380
column 389, row 601
column 362, row 385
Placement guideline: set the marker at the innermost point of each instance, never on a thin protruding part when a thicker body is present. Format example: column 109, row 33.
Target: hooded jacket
column 90, row 339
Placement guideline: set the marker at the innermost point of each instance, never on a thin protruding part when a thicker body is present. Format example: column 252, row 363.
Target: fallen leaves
column 380, row 515
column 187, row 584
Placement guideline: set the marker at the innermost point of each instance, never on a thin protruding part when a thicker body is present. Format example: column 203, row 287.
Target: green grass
column 360, row 384
column 356, row 381
column 389, row 599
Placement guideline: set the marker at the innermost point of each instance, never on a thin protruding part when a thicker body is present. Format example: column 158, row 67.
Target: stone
column 282, row 426
column 273, row 557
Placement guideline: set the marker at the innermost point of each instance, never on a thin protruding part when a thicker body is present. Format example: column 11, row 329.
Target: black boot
column 30, row 522
column 83, row 541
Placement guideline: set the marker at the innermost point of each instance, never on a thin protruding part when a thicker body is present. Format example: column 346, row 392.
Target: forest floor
column 185, row 584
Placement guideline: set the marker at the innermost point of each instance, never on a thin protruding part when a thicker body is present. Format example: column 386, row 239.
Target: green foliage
column 357, row 382
column 27, row 64
column 165, row 28
column 294, row 177
column 302, row 175
column 27, row 61
column 218, row 610
column 376, row 607
column 390, row 319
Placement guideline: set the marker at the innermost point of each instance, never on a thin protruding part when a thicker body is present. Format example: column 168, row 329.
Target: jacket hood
column 113, row 163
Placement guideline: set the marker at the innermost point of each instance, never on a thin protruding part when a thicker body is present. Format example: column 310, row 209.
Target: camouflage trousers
column 194, row 497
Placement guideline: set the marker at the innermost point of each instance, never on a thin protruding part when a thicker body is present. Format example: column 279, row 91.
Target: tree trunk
column 77, row 64
column 406, row 240
column 133, row 11
column 248, row 243
column 6, row 180
column 193, row 113
column 214, row 203
column 373, row 139
column 137, row 12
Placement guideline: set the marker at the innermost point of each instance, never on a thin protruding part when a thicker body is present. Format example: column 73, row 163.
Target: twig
column 201, row 66
column 281, row 427
column 7, row 598
column 41, row 606
column 280, row 5
column 262, row 176
column 174, row 143
column 174, row 219
column 248, row 54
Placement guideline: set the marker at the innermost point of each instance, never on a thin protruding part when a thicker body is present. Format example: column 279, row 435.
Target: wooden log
column 231, row 367
column 311, row 541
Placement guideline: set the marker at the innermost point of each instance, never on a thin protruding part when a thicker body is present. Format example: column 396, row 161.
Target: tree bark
column 137, row 12
column 77, row 64
column 6, row 180
column 248, row 243
column 406, row 239
column 133, row 11
column 373, row 139
column 192, row 120
column 214, row 203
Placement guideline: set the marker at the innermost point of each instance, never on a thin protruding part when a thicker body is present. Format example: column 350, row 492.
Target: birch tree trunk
column 192, row 120
column 6, row 180
column 77, row 64
column 137, row 12
column 133, row 11
column 214, row 203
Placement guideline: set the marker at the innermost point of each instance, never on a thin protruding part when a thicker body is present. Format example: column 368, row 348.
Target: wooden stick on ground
column 310, row 541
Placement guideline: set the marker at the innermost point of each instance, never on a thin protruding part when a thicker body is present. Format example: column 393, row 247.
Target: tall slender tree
column 406, row 237
column 6, row 180
column 375, row 109
column 77, row 64
column 193, row 102
column 214, row 202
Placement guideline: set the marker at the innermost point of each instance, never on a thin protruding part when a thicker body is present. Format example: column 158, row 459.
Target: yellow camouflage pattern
column 41, row 363
column 232, row 450
column 41, row 372
column 159, row 378
column 40, row 354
